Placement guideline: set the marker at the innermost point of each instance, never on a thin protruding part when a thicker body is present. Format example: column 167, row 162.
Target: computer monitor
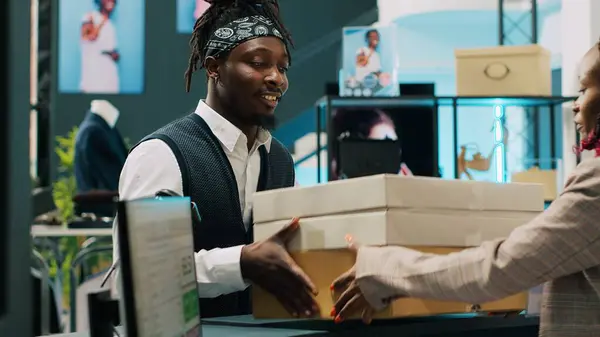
column 365, row 157
column 159, row 294
column 417, row 89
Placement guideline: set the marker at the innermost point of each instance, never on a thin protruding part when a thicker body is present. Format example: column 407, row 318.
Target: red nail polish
column 337, row 319
column 332, row 313
column 331, row 287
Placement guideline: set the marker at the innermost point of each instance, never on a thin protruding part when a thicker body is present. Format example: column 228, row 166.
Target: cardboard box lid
column 393, row 191
column 398, row 227
column 532, row 49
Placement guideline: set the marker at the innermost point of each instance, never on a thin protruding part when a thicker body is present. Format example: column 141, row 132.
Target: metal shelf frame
column 325, row 105
column 507, row 25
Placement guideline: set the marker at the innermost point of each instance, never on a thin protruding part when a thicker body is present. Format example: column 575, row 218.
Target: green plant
column 64, row 189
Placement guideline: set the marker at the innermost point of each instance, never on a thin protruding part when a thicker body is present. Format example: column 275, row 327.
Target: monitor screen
column 158, row 283
column 364, row 157
column 414, row 129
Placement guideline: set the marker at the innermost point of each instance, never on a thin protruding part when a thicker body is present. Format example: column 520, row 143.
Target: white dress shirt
column 152, row 166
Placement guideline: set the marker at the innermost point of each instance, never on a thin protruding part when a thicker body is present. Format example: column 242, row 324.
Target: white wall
column 391, row 10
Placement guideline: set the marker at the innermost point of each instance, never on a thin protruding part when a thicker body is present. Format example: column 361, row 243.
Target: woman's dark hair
column 220, row 13
column 357, row 123
column 353, row 123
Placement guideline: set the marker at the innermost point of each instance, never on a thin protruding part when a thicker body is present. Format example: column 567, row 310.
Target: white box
column 382, row 192
column 399, row 227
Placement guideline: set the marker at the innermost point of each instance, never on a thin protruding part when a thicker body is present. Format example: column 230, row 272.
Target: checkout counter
column 465, row 325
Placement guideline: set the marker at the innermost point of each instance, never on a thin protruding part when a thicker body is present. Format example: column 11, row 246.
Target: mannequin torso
column 100, row 151
column 106, row 110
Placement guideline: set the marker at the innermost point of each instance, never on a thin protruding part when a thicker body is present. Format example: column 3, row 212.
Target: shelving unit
column 325, row 105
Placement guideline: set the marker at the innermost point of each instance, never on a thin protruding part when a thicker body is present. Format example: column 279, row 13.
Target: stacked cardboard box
column 428, row 214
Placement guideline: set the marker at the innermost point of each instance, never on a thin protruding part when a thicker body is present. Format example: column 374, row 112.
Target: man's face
column 108, row 5
column 253, row 79
column 587, row 106
column 373, row 39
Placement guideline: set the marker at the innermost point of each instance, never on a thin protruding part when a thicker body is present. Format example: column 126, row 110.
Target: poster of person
column 368, row 62
column 188, row 11
column 101, row 46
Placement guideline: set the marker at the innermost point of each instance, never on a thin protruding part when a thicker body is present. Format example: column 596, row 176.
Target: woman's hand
column 351, row 301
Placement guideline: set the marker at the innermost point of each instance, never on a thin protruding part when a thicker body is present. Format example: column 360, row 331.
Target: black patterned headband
column 233, row 34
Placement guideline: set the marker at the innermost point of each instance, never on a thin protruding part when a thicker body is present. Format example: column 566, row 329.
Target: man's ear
column 212, row 65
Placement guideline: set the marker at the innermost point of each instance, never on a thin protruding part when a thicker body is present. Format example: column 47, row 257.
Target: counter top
column 446, row 326
column 442, row 324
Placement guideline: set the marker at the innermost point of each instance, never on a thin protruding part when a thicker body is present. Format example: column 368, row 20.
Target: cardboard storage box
column 504, row 71
column 427, row 214
column 323, row 266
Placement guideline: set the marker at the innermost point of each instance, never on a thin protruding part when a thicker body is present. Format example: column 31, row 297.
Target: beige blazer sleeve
column 562, row 240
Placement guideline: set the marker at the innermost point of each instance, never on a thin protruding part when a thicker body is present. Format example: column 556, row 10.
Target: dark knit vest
column 209, row 181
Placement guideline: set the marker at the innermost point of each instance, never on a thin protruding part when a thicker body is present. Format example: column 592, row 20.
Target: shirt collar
column 228, row 134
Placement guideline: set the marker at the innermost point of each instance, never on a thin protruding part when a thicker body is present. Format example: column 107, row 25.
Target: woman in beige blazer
column 560, row 247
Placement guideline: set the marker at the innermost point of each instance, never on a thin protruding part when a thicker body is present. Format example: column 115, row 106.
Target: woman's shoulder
column 585, row 175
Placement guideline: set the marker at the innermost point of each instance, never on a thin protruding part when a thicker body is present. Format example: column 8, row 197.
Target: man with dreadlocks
column 223, row 152
column 560, row 247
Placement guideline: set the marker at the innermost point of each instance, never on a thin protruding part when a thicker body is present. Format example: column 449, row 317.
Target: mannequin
column 106, row 110
column 100, row 151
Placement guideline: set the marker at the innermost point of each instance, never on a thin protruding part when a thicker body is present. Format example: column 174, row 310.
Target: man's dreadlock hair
column 222, row 12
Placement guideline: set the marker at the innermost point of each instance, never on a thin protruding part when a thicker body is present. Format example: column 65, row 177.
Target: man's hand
column 268, row 265
column 89, row 30
column 113, row 54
